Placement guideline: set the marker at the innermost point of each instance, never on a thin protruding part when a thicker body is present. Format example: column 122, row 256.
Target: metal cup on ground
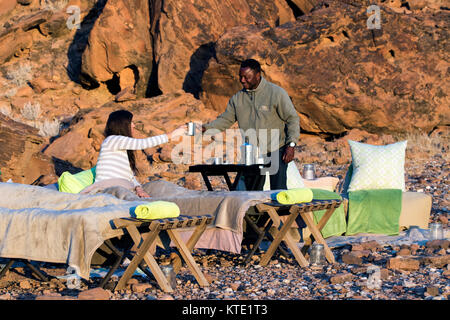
column 436, row 231
column 317, row 255
column 169, row 273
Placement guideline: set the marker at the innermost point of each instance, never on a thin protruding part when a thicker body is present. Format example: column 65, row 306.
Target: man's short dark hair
column 252, row 64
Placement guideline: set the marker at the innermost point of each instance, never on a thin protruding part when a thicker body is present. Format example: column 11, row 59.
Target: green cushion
column 377, row 167
column 74, row 183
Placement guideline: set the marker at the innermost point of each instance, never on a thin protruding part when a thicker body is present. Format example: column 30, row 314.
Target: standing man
column 263, row 105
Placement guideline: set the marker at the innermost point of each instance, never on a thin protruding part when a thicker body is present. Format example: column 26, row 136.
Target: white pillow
column 377, row 167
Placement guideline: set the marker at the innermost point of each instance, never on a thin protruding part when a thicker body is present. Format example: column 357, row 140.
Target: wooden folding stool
column 305, row 211
column 168, row 229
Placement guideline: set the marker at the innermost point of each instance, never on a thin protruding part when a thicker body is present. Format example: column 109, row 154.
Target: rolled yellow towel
column 157, row 210
column 297, row 195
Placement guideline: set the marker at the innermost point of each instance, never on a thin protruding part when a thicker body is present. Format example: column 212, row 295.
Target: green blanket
column 374, row 211
column 336, row 225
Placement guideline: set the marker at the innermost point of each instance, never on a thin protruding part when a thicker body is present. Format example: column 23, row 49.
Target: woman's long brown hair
column 119, row 124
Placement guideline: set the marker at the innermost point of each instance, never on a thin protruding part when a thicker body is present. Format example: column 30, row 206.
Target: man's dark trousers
column 277, row 180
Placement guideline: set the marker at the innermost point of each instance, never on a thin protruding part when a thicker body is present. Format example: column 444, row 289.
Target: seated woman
column 117, row 153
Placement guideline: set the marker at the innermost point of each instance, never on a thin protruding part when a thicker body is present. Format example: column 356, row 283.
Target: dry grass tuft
column 20, row 75
column 422, row 146
column 31, row 111
column 49, row 128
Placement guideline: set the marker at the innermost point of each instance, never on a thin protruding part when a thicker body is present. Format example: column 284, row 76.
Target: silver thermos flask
column 247, row 150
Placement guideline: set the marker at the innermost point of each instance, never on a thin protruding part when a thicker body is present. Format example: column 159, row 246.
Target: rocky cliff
column 65, row 64
column 342, row 75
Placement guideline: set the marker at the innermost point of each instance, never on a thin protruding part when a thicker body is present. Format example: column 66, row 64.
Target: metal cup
column 191, row 129
column 309, row 172
column 436, row 231
column 169, row 273
column 317, row 255
column 217, row 160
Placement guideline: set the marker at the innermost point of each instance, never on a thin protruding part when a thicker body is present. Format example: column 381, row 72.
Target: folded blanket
column 374, row 211
column 292, row 196
column 336, row 225
column 41, row 224
column 157, row 210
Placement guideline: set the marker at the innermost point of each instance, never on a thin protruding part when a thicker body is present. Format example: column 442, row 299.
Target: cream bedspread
column 41, row 224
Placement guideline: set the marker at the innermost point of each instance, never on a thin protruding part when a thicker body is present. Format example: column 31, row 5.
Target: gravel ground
column 407, row 272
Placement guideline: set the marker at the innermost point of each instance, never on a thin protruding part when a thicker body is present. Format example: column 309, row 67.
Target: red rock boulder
column 342, row 75
column 21, row 159
column 119, row 51
column 187, row 30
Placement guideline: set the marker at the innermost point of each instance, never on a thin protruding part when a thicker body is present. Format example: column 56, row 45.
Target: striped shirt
column 113, row 157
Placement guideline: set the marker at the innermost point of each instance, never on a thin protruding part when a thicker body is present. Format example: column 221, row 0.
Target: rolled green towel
column 157, row 210
column 296, row 195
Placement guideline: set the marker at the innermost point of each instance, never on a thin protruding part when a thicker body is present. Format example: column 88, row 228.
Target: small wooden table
column 208, row 170
column 305, row 211
column 273, row 209
column 143, row 242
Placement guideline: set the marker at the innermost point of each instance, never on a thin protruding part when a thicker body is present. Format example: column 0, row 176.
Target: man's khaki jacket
column 266, row 107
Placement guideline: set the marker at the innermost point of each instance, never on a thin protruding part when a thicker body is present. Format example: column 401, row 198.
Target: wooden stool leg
column 198, row 231
column 142, row 253
column 33, row 269
column 196, row 236
column 290, row 242
column 185, row 252
column 309, row 239
column 150, row 260
column 6, row 267
column 276, row 220
column 260, row 231
column 323, row 221
column 280, row 236
column 36, row 271
column 287, row 238
column 318, row 236
column 119, row 257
